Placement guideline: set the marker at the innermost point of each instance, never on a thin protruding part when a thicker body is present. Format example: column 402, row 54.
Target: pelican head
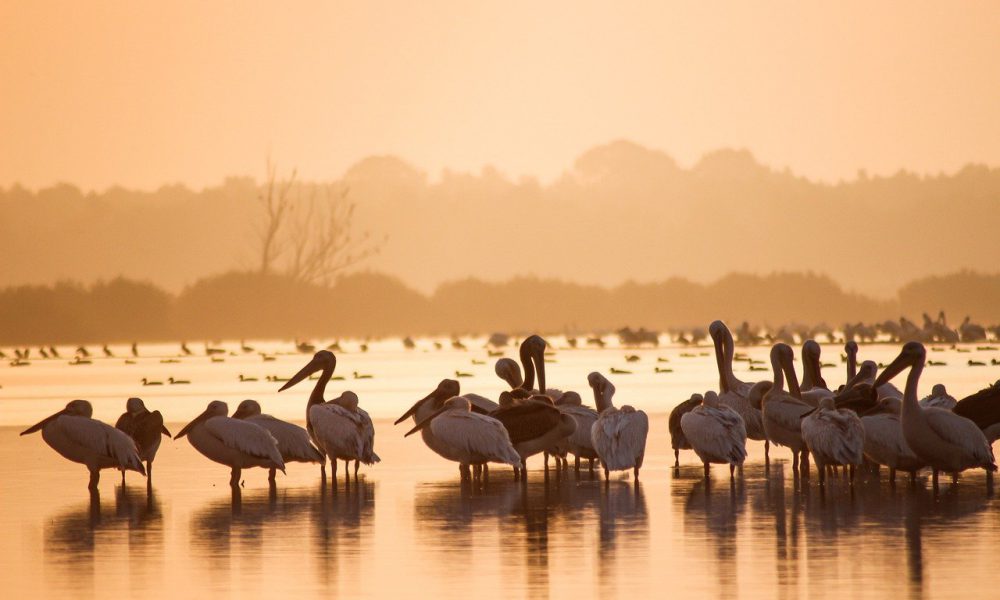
column 718, row 331
column 890, row 405
column 851, row 348
column 604, row 390
column 569, row 399
column 827, row 403
column 810, row 360
column 348, row 400
column 246, row 409
column 781, row 362
column 913, row 354
column 508, row 370
column 938, row 390
column 532, row 354
column 135, row 406
column 216, row 408
column 457, row 403
column 324, row 359
column 74, row 408
column 448, row 388
column 710, row 399
column 507, row 399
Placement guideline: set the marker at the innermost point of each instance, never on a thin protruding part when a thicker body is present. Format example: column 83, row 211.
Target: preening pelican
column 579, row 443
column 944, row 440
column 77, row 437
column 145, row 429
column 834, row 437
column 293, row 441
column 339, row 428
column 938, row 398
column 534, row 425
column 678, row 441
column 532, row 354
column 733, row 392
column 237, row 444
column 716, row 433
column 884, row 441
column 783, row 411
column 619, row 435
column 813, row 388
column 466, row 437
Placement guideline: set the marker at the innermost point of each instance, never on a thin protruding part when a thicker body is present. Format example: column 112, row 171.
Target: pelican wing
column 339, row 431
column 246, row 437
column 678, row 441
column 585, row 418
column 619, row 437
column 837, row 435
column 527, row 420
column 884, row 440
column 102, row 439
column 125, row 423
column 719, row 435
column 147, row 430
column 481, row 403
column 786, row 412
column 478, row 435
column 959, row 431
column 368, row 455
column 293, row 441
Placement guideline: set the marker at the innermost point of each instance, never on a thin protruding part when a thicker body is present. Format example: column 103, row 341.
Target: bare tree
column 307, row 231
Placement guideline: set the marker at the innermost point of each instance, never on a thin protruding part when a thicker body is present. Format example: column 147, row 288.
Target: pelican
column 232, row 442
column 834, row 437
column 783, row 411
column 579, row 443
column 983, row 408
column 532, row 355
column 145, row 428
column 938, row 398
column 534, row 424
column 884, row 441
column 733, row 392
column 814, row 388
column 716, row 433
column 340, row 429
column 619, row 435
column 678, row 441
column 293, row 441
column 466, row 437
column 76, row 436
column 944, row 440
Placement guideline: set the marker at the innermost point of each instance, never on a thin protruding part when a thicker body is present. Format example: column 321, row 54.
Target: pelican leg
column 546, row 454
column 732, row 471
column 322, row 471
column 95, row 477
column 149, row 471
column 804, row 463
column 954, row 478
column 333, row 472
column 851, row 470
column 913, row 477
column 477, row 472
column 822, row 474
column 892, row 477
column 347, row 470
column 234, row 477
column 270, row 475
column 607, row 474
column 635, row 472
column 795, row 463
column 486, row 470
column 463, row 469
column 934, row 479
column 767, row 453
column 708, row 472
column 591, row 467
column 123, row 477
column 677, row 458
column 357, row 465
column 576, row 464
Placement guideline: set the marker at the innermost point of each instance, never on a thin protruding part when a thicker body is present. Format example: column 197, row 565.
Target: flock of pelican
column 867, row 421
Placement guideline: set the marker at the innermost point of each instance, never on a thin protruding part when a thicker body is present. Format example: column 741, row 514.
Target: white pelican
column 237, row 444
column 339, row 428
column 145, row 428
column 733, row 392
column 534, row 425
column 884, row 441
column 619, row 435
column 579, row 443
column 834, row 437
column 76, row 436
column 293, row 441
column 532, row 354
column 938, row 398
column 783, row 411
column 813, row 388
column 678, row 441
column 468, row 438
column 944, row 440
column 716, row 433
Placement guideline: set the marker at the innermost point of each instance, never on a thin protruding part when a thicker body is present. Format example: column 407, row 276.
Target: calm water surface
column 409, row 527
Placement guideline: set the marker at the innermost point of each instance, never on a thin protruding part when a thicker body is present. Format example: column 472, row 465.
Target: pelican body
column 716, row 433
column 235, row 443
column 146, row 429
column 834, row 437
column 619, row 435
column 884, row 440
column 77, row 437
column 579, row 443
column 733, row 392
column 293, row 441
column 783, row 411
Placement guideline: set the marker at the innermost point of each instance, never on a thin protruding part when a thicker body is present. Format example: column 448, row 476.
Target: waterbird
column 173, row 381
column 80, row 361
column 946, row 441
column 813, row 387
column 361, row 375
column 169, row 361
column 615, row 371
column 107, row 352
column 783, row 411
column 534, row 425
column 884, row 440
column 983, row 409
column 76, row 436
column 145, row 428
column 938, row 398
column 462, row 374
column 678, row 441
column 293, row 441
column 659, row 370
column 579, row 443
column 146, row 381
column 835, row 437
column 732, row 391
column 52, row 351
column 716, row 433
column 245, row 379
column 619, row 435
column 232, row 442
column 185, row 349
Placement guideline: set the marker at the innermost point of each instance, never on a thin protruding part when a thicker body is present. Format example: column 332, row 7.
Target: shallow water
column 409, row 526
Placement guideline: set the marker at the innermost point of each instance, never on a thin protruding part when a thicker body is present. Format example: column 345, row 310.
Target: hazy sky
column 142, row 93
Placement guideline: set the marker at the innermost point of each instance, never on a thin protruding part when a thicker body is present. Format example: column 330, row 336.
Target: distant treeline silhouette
column 237, row 305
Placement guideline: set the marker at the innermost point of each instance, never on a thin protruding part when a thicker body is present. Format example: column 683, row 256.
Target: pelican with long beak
column 293, row 441
column 146, row 428
column 466, row 437
column 232, row 442
column 77, row 437
column 735, row 393
column 944, row 440
column 340, row 429
column 783, row 411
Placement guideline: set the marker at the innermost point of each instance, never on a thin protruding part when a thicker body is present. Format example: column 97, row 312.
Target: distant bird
column 82, row 351
column 246, row 379
column 107, row 352
column 661, row 370
column 938, row 398
column 148, row 382
column 457, row 344
column 408, row 343
column 716, row 433
column 976, row 363
column 580, row 443
column 217, row 359
column 42, row 351
column 135, row 349
column 462, row 374
column 235, row 443
column 477, row 361
column 185, row 349
column 52, row 351
column 619, row 435
column 678, row 441
column 361, row 375
column 77, row 360
column 631, row 358
column 835, row 437
column 76, row 436
column 615, row 371
column 245, row 348
column 145, row 428
column 293, row 441
column 178, row 381
column 129, row 361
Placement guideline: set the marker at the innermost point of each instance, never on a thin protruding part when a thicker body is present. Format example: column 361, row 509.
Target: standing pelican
column 235, row 443
column 884, row 440
column 145, row 428
column 339, row 428
column 76, row 436
column 783, row 411
column 733, row 392
column 834, row 437
column 619, row 435
column 944, row 440
column 678, row 441
column 293, row 441
column 579, row 443
column 938, row 398
column 468, row 438
column 534, row 425
column 716, row 433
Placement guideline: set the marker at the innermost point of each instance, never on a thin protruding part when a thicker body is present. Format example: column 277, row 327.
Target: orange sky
column 145, row 93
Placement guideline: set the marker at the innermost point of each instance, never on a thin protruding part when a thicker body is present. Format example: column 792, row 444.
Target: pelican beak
column 43, row 422
column 241, row 413
column 720, row 362
column 895, row 367
column 165, row 431
column 539, row 359
column 313, row 366
column 203, row 416
column 415, row 407
column 790, row 377
column 804, row 415
column 426, row 421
